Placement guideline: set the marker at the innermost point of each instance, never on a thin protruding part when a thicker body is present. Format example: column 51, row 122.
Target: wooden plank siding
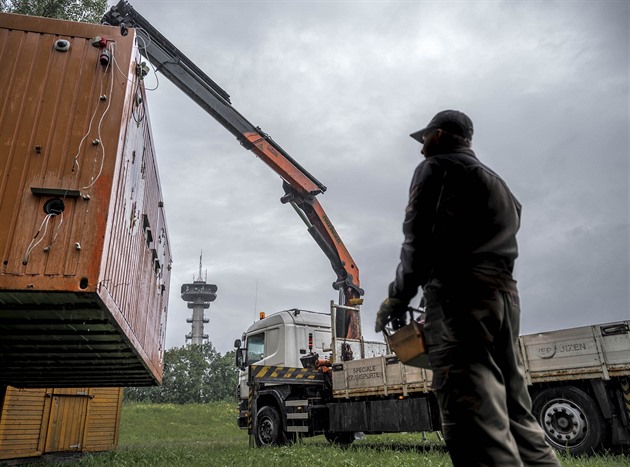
column 103, row 419
column 42, row 420
column 21, row 422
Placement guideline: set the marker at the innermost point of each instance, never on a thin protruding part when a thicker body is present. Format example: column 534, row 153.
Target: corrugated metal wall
column 137, row 251
column 38, row 421
column 83, row 292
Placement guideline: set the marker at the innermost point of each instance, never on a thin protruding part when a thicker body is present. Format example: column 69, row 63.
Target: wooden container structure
column 45, row 420
column 84, row 251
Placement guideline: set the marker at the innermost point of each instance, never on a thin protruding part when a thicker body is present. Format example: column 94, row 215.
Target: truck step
column 296, row 403
column 298, row 415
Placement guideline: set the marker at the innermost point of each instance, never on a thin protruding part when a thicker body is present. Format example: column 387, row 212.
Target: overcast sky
column 340, row 85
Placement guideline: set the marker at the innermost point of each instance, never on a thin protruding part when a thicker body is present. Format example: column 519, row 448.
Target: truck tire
column 269, row 427
column 570, row 419
column 344, row 438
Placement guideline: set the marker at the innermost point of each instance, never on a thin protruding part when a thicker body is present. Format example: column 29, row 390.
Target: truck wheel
column 268, row 427
column 341, row 438
column 570, row 419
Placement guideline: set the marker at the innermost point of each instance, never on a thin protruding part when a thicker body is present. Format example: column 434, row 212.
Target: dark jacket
column 460, row 224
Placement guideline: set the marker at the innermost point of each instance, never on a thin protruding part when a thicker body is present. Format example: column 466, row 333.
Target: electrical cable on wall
column 75, row 162
column 56, row 232
column 122, row 73
column 136, row 82
column 157, row 80
column 137, row 114
column 138, row 109
column 153, row 69
column 32, row 245
column 100, row 122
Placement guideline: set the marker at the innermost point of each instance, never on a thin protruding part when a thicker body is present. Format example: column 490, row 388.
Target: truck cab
column 280, row 339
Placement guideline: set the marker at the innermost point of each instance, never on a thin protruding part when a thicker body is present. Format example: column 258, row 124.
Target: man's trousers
column 472, row 338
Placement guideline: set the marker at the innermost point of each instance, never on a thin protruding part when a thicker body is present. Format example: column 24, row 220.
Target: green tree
column 89, row 11
column 192, row 374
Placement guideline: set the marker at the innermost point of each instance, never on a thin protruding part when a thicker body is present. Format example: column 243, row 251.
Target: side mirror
column 237, row 344
column 240, row 360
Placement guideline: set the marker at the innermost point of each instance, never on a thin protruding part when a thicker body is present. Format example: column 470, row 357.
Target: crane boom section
column 300, row 186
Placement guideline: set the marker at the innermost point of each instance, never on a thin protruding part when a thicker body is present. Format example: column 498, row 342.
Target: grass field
column 206, row 435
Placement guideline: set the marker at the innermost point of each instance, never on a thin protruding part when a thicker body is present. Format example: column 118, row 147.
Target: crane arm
column 301, row 188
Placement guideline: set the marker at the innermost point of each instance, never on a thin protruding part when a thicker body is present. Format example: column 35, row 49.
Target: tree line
column 192, row 374
column 88, row 11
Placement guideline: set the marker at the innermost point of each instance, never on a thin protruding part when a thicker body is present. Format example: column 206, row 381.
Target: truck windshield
column 255, row 348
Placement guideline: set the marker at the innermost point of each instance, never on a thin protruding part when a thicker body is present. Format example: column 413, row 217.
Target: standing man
column 460, row 247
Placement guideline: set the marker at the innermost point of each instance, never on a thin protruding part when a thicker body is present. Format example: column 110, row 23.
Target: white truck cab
column 280, row 339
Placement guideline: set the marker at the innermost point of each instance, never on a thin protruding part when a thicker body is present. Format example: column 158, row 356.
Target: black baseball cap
column 453, row 121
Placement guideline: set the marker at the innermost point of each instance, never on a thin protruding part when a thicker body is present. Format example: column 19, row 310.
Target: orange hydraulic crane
column 300, row 187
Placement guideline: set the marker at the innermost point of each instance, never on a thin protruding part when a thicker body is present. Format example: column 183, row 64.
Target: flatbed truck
column 579, row 381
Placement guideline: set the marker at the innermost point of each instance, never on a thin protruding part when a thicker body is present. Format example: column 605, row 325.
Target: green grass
column 206, row 435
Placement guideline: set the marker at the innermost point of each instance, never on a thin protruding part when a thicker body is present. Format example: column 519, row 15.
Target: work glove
column 390, row 309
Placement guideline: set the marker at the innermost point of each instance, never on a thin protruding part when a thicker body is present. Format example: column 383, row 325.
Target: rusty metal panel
column 84, row 251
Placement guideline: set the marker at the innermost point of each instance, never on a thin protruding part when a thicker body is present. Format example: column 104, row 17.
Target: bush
column 192, row 374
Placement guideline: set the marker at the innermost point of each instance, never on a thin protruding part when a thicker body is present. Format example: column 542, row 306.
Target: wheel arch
column 269, row 397
column 537, row 388
column 274, row 397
